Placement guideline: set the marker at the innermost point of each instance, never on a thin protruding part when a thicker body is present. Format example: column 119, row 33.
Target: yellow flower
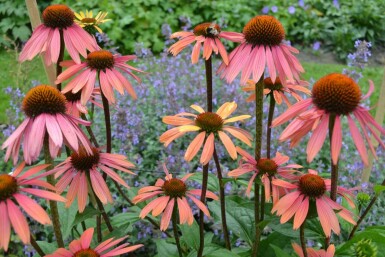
column 89, row 23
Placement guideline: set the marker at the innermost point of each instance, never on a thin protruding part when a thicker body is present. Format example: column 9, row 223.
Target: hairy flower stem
column 59, row 68
column 90, row 132
column 205, row 174
column 258, row 146
column 222, row 201
column 107, row 120
column 269, row 121
column 53, row 204
column 366, row 211
column 36, row 246
column 302, row 238
column 209, row 93
column 175, row 229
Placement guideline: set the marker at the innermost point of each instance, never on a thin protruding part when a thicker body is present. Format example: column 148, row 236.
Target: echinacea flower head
column 13, row 190
column 82, row 247
column 108, row 67
column 262, row 46
column 278, row 90
column 208, row 34
column 90, row 23
column 46, row 117
column 268, row 170
column 81, row 171
column 333, row 97
column 209, row 125
column 315, row 253
column 74, row 106
column 308, row 192
column 172, row 193
column 46, row 38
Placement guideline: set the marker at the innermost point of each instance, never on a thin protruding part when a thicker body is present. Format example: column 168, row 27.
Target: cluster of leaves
column 334, row 24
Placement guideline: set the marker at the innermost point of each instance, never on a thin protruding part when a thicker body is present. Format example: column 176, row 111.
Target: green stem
column 334, row 167
column 201, row 214
column 367, row 209
column 53, row 204
column 222, row 201
column 258, row 146
column 209, row 97
column 36, row 246
column 302, row 238
column 175, row 228
column 59, row 68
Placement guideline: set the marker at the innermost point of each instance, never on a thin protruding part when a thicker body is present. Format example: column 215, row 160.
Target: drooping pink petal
column 18, row 221
column 358, row 140
column 33, row 209
column 5, row 226
column 317, row 138
column 166, row 217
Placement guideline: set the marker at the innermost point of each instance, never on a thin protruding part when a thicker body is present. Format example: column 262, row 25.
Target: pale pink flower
column 333, row 96
column 267, row 170
column 310, row 189
column 208, row 34
column 209, row 126
column 45, row 108
column 58, row 19
column 278, row 90
column 13, row 190
column 171, row 192
column 262, row 46
column 108, row 67
column 314, row 253
column 82, row 247
column 82, row 171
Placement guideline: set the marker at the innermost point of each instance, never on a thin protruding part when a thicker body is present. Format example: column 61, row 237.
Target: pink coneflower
column 58, row 19
column 209, row 125
column 267, row 169
column 82, row 247
column 82, row 168
column 310, row 190
column 172, row 191
column 74, row 106
column 333, row 97
column 262, row 46
column 13, row 188
column 278, row 90
column 108, row 67
column 314, row 253
column 45, row 108
column 208, row 34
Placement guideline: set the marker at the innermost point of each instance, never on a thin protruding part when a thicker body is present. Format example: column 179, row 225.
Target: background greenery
column 333, row 23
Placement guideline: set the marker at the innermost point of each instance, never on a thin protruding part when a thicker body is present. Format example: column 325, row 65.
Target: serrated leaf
column 88, row 213
column 166, row 249
column 190, row 234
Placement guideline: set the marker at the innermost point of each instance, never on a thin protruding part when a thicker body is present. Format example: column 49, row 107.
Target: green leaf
column 212, row 182
column 240, row 220
column 88, row 213
column 279, row 252
column 279, row 240
column 166, row 249
column 213, row 250
column 21, row 32
column 190, row 234
column 67, row 217
column 378, row 189
column 46, row 247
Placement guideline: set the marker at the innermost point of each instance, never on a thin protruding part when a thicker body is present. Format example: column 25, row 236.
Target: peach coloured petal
column 317, row 138
column 229, row 145
column 195, row 146
column 208, row 149
column 166, row 217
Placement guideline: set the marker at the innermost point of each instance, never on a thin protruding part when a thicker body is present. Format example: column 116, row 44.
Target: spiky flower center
column 71, row 97
column 43, row 99
column 83, row 161
column 277, row 85
column 267, row 166
column 264, row 30
column 8, row 186
column 312, row 185
column 100, row 60
column 336, row 93
column 58, row 16
column 86, row 253
column 364, row 248
column 175, row 187
column 88, row 21
column 207, row 29
column 209, row 122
